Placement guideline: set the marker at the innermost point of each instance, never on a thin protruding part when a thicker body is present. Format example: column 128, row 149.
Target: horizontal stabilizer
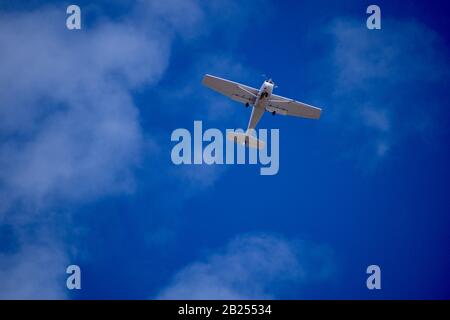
column 246, row 139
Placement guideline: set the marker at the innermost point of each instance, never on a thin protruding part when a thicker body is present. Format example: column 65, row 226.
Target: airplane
column 261, row 100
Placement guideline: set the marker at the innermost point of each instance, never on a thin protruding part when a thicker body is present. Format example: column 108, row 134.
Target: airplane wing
column 290, row 107
column 231, row 89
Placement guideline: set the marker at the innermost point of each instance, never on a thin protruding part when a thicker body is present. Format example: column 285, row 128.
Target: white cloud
column 69, row 128
column 250, row 267
column 397, row 54
column 376, row 118
column 184, row 17
column 37, row 271
column 375, row 72
column 69, row 125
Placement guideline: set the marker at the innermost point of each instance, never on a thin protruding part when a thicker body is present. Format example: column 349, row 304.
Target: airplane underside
column 262, row 100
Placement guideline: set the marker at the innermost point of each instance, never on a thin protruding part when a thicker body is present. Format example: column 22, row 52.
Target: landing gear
column 273, row 113
column 247, row 104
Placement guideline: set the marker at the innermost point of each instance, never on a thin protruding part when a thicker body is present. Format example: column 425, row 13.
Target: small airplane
column 261, row 100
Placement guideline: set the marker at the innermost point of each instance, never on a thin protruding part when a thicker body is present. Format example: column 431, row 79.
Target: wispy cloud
column 36, row 271
column 70, row 129
column 69, row 125
column 254, row 266
column 374, row 74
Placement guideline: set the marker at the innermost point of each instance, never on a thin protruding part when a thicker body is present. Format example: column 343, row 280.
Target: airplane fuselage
column 260, row 104
column 264, row 95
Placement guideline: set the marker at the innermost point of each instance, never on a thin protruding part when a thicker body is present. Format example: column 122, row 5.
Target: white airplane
column 261, row 100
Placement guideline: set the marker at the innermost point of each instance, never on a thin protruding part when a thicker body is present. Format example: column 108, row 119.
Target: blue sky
column 86, row 176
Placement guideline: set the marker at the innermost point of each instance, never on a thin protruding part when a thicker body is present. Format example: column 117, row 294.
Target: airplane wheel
column 246, row 105
column 273, row 113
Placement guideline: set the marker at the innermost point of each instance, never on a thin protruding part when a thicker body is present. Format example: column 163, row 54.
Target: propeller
column 269, row 80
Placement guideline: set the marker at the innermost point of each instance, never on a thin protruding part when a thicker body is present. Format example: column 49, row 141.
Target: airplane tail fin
column 246, row 139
